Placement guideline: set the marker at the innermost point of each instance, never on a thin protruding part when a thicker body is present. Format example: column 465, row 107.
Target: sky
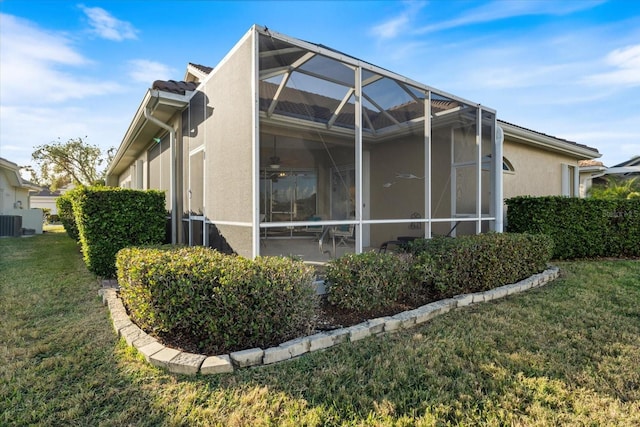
column 568, row 68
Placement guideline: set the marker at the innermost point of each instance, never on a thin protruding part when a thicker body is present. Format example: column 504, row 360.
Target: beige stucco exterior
column 537, row 172
column 14, row 197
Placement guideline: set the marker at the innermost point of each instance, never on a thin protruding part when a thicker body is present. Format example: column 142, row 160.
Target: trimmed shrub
column 369, row 281
column 109, row 219
column 450, row 266
column 221, row 302
column 580, row 228
column 64, row 203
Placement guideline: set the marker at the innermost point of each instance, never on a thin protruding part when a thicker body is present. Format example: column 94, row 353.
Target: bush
column 465, row 264
column 580, row 228
column 369, row 281
column 109, row 219
column 221, row 302
column 64, row 203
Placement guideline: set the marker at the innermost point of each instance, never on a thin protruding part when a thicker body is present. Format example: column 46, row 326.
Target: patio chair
column 341, row 233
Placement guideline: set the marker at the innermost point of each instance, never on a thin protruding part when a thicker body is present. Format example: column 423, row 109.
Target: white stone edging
column 182, row 362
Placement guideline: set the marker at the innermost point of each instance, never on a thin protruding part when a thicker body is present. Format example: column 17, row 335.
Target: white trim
column 498, row 189
column 453, row 173
column 234, row 223
column 478, row 166
column 228, row 56
column 427, row 163
column 358, row 154
column 255, row 140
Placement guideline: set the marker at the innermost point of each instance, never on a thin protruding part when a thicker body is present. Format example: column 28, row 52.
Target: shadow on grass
column 563, row 354
column 567, row 353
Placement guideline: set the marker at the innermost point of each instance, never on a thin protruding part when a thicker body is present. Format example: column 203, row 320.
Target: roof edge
column 151, row 98
column 531, row 137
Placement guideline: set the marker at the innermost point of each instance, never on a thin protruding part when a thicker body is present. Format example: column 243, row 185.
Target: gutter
column 130, row 136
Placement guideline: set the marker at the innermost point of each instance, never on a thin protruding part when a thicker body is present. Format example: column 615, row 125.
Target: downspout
column 172, row 172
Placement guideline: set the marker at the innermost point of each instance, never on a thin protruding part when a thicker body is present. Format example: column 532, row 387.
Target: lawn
column 564, row 354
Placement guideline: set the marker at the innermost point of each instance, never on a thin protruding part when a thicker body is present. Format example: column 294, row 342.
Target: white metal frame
column 202, row 217
column 495, row 216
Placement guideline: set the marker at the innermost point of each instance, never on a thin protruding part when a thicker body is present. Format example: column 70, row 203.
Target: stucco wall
column 536, row 172
column 9, row 195
column 228, row 147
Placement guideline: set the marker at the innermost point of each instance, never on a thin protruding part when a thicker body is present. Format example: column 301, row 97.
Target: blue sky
column 565, row 68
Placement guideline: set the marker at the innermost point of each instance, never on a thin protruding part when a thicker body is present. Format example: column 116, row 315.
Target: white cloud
column 498, row 10
column 146, row 71
column 21, row 37
column 390, row 28
column 399, row 24
column 40, row 66
column 25, row 127
column 625, row 64
column 107, row 26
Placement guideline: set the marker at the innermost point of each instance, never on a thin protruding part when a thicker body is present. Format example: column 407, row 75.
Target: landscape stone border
column 182, row 362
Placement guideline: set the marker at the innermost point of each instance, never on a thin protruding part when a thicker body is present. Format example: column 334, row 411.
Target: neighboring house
column 14, row 200
column 46, row 199
column 594, row 172
column 628, row 169
column 591, row 172
column 287, row 144
column 537, row 164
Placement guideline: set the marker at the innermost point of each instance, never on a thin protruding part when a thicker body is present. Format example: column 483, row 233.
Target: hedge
column 369, row 281
column 580, row 228
column 219, row 302
column 449, row 266
column 109, row 219
column 64, row 203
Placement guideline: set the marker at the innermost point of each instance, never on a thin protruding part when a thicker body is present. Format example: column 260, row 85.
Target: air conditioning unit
column 10, row 225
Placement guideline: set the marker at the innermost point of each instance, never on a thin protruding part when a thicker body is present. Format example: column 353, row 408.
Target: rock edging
column 181, row 362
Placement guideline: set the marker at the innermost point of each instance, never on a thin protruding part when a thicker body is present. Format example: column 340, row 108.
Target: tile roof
column 320, row 108
column 202, row 68
column 46, row 192
column 588, row 163
column 172, row 86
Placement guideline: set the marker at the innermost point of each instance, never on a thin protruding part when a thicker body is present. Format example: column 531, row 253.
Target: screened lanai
column 351, row 155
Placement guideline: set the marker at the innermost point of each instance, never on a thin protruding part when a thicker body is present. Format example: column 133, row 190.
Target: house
column 594, row 172
column 591, row 172
column 537, row 164
column 292, row 148
column 46, row 199
column 16, row 214
column 628, row 169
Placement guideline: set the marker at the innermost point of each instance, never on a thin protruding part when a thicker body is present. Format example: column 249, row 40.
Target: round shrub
column 369, row 281
column 220, row 302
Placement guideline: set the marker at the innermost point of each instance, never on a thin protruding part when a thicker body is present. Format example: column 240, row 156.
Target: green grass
column 565, row 354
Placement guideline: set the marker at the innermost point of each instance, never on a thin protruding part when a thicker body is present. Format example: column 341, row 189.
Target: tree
column 72, row 162
column 617, row 188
